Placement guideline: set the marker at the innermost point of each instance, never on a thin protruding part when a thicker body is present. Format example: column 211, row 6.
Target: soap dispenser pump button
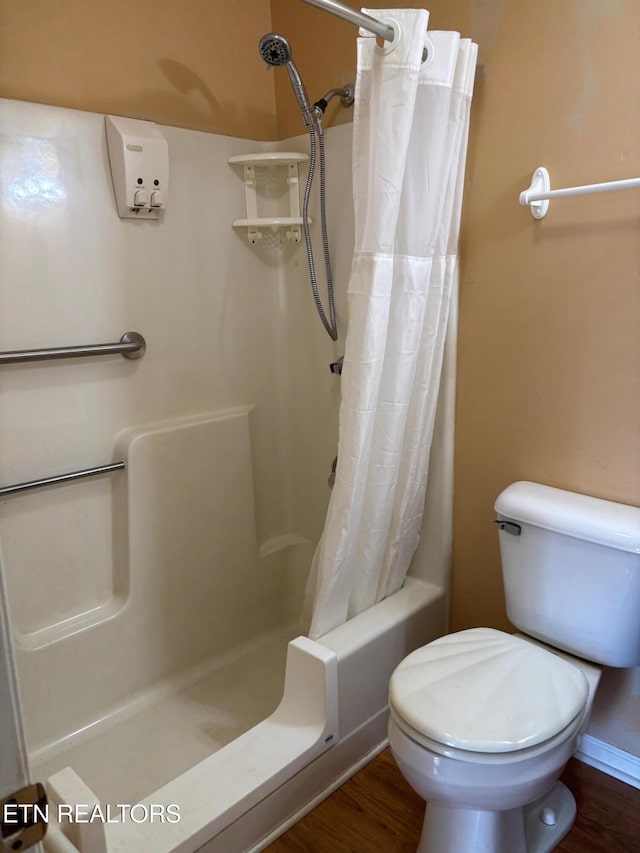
column 156, row 199
column 140, row 198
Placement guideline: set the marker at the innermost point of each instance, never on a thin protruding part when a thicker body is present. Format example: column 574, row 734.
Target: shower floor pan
column 266, row 704
column 331, row 720
column 164, row 731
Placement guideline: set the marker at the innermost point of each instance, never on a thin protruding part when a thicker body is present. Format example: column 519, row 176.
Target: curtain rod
column 359, row 19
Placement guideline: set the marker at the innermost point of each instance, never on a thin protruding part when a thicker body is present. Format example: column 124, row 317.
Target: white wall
column 314, row 397
column 89, row 621
column 228, row 423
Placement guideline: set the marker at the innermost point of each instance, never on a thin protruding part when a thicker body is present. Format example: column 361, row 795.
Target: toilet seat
column 485, row 691
column 485, row 758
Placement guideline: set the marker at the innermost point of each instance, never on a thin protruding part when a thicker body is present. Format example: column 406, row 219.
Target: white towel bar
column 539, row 193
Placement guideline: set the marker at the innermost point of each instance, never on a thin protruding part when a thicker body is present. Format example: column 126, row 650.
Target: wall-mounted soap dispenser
column 139, row 158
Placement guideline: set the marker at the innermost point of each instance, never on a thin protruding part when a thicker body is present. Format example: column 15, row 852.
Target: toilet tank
column 571, row 570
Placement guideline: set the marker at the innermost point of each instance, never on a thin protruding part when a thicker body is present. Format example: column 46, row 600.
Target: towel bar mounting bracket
column 540, row 183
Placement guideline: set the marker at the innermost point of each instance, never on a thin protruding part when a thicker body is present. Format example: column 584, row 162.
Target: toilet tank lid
column 591, row 519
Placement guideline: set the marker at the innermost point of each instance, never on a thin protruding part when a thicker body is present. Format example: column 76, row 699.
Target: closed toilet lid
column 486, row 691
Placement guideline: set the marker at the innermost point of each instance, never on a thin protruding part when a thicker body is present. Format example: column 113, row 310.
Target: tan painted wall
column 549, row 351
column 189, row 63
column 325, row 51
column 549, row 354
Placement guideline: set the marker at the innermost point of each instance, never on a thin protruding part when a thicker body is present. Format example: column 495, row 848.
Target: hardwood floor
column 377, row 812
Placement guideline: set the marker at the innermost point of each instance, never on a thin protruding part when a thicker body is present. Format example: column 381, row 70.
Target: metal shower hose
column 330, row 324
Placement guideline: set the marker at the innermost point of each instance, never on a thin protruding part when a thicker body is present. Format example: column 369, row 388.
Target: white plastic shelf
column 269, row 158
column 254, row 223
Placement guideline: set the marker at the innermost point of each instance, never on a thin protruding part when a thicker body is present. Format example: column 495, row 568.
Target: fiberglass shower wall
column 118, row 582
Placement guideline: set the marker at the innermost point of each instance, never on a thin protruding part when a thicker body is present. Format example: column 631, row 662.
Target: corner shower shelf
column 254, row 223
column 269, row 158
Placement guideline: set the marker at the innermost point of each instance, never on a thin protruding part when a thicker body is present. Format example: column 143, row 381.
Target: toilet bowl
column 481, row 725
column 482, row 722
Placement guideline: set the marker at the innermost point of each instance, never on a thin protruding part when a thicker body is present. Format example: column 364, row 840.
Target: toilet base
column 537, row 828
column 558, row 805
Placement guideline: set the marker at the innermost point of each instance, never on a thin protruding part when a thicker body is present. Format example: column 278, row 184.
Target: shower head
column 276, row 51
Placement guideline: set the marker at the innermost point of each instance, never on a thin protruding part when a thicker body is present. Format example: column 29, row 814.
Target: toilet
column 483, row 722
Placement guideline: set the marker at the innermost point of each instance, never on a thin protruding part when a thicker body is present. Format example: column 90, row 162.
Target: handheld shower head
column 275, row 50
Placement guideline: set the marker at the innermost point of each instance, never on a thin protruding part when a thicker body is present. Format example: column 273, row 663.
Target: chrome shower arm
column 345, row 93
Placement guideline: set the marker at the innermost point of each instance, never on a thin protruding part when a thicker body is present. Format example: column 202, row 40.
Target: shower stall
column 154, row 608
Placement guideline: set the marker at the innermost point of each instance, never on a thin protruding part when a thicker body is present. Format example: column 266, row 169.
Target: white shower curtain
column 410, row 135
